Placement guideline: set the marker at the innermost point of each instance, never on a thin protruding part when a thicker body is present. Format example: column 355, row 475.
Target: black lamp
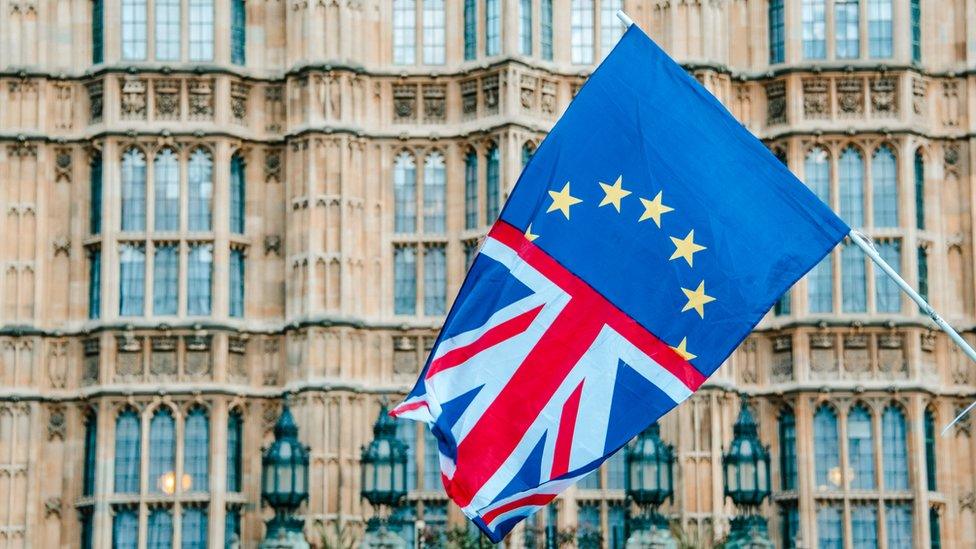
column 384, row 466
column 650, row 474
column 284, row 476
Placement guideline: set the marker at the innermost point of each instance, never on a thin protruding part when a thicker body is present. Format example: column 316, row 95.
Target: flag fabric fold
column 647, row 236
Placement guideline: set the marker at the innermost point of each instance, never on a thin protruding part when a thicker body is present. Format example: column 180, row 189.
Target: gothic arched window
column 405, row 193
column 91, row 455
column 894, row 444
column 128, row 448
column 196, row 450
column 435, row 189
column 238, row 32
column 492, row 197
column 162, row 452
column 930, row 467
column 167, row 15
column 581, row 32
column 816, row 172
column 133, row 190
column 884, row 182
column 787, row 450
column 166, row 183
column 852, row 187
column 919, row 190
column 879, row 29
column 200, row 189
column 826, row 447
column 133, row 25
column 493, row 33
column 200, row 22
column 434, row 33
column 125, row 529
column 611, row 28
column 404, row 31
column 235, row 451
column 238, row 189
column 814, row 21
column 860, row 448
column 160, row 534
column 777, row 32
column 471, row 190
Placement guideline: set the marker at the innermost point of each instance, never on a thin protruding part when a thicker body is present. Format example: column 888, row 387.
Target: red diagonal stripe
column 502, row 332
column 534, row 499
column 567, row 426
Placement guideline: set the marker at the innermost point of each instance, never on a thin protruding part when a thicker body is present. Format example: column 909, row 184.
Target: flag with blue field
column 645, row 239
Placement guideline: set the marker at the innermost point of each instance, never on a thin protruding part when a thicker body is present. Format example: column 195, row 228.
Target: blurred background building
column 208, row 204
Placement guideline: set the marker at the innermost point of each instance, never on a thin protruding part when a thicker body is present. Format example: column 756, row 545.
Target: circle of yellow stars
column 654, row 209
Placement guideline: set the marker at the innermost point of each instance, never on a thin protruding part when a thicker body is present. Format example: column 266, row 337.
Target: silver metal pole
column 863, row 243
column 627, row 21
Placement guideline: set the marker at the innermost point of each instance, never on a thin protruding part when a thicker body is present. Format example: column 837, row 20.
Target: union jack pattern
column 504, row 397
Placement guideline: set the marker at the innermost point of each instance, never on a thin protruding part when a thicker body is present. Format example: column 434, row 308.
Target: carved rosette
column 815, row 92
column 850, row 96
column 166, row 96
column 884, row 97
column 404, row 103
column 133, row 99
column 239, row 92
column 435, row 105
column 201, row 99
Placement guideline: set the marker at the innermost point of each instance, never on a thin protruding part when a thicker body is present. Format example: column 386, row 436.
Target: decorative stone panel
column 815, row 98
column 198, row 355
column 239, row 92
column 404, row 103
column 166, row 96
column 776, row 103
column 489, row 90
column 274, row 108
column 919, row 89
column 95, row 93
column 435, row 103
column 164, row 356
column 201, row 99
column 133, row 99
column 236, row 357
column 128, row 360
column 884, row 96
column 89, row 364
column 850, row 97
column 469, row 98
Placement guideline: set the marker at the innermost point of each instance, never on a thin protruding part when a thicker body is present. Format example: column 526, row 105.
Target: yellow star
column 697, row 299
column 562, row 200
column 653, row 209
column 686, row 247
column 528, row 234
column 614, row 193
column 682, row 350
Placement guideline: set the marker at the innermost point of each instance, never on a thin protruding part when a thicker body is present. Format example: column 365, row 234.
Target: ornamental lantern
column 284, row 476
column 746, row 463
column 384, row 465
column 650, row 469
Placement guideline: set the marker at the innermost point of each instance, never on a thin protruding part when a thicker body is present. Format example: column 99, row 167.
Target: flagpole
column 863, row 243
column 627, row 21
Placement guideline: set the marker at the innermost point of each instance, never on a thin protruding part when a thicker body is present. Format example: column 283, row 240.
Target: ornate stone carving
column 94, row 101
column 776, row 103
column 62, row 165
column 927, row 341
column 435, row 107
column 527, row 91
column 57, row 363
column 950, row 156
column 950, row 94
column 469, row 97
column 815, row 92
column 856, row 341
column 890, row 341
column 272, row 165
column 272, row 245
column 56, row 423
column 201, row 99
column 404, row 355
column 52, row 507
column 61, row 245
column 239, row 92
column 163, row 362
column 548, row 97
column 822, row 340
column 236, row 360
column 22, row 149
column 167, row 98
column 269, row 414
column 274, row 108
column 489, row 90
column 884, row 97
column 198, row 356
column 133, row 106
column 129, row 357
column 967, row 501
column 270, row 372
column 404, row 103
column 64, row 106
column 919, row 88
column 89, row 366
column 850, row 96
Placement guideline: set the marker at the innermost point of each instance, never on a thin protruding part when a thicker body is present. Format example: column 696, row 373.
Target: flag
column 644, row 240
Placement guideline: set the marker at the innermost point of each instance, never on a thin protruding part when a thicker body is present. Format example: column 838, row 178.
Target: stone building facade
column 208, row 204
